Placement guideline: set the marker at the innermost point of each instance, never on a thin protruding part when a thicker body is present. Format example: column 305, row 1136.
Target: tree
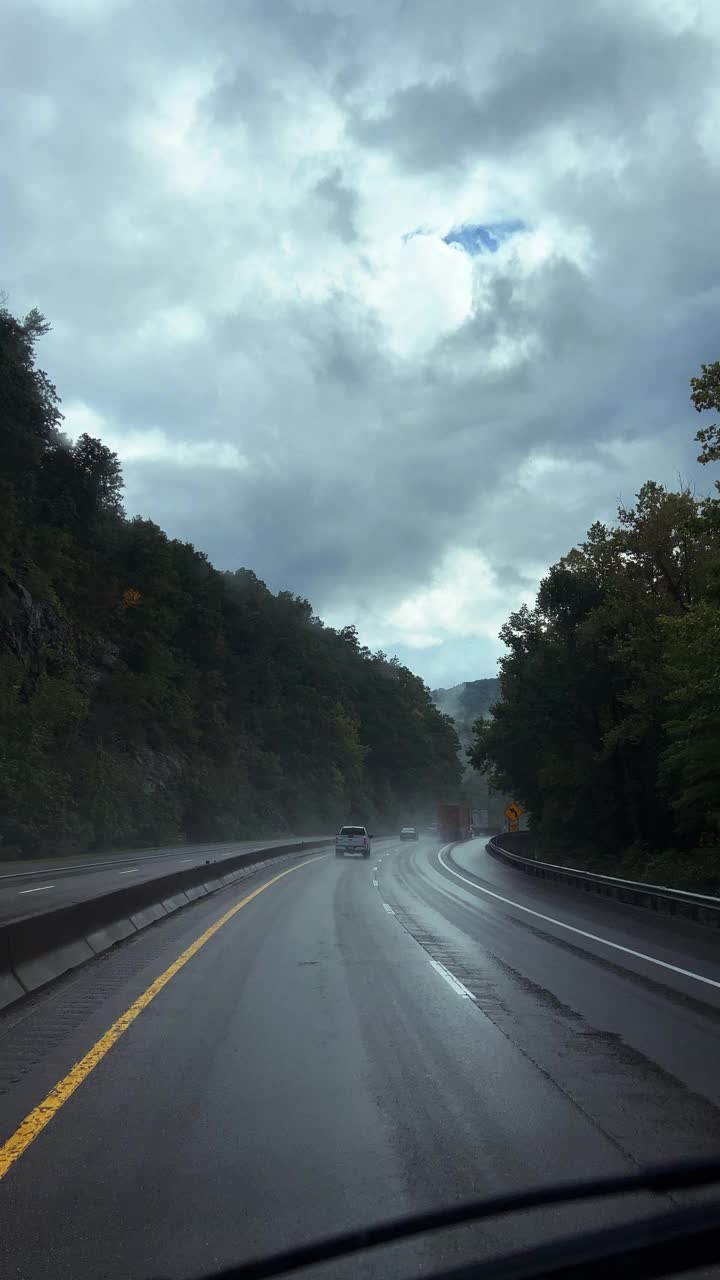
column 29, row 423
column 706, row 395
column 99, row 479
column 581, row 733
column 691, row 762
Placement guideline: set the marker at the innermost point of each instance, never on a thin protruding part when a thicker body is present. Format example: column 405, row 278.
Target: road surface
column 354, row 1041
column 29, row 888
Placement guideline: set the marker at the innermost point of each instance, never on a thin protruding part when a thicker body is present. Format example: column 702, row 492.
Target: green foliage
column 706, row 395
column 607, row 725
column 691, row 766
column 145, row 697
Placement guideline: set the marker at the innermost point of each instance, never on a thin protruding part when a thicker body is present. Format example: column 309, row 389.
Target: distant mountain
column 466, row 703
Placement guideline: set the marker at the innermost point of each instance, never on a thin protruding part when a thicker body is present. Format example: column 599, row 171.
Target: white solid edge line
column 388, row 909
column 616, row 946
column 451, row 980
column 38, row 890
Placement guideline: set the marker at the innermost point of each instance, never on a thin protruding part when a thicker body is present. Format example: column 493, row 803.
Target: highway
column 331, row 1043
column 29, row 888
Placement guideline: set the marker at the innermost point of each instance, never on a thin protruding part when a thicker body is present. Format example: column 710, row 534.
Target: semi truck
column 453, row 822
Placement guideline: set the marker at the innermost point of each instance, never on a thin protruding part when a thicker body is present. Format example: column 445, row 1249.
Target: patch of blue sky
column 474, row 237
column 478, row 237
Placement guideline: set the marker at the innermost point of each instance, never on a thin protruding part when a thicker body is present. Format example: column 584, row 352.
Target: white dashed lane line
column 451, row 980
column 39, row 888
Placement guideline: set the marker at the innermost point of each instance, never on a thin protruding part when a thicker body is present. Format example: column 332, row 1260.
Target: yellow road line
column 35, row 1122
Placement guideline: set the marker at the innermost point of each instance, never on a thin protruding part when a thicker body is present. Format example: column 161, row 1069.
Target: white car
column 409, row 833
column 352, row 840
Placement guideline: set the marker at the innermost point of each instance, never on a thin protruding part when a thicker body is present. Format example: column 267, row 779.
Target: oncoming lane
column 63, row 882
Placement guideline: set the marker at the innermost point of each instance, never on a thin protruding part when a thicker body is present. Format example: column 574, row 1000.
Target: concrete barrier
column 41, row 947
column 699, row 907
column 106, row 936
column 195, row 891
column 174, row 902
column 36, row 949
column 10, row 988
column 148, row 915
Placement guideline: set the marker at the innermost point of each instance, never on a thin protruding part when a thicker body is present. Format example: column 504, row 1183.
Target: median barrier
column 41, row 947
column 195, row 891
column 174, row 902
column 699, row 907
column 36, row 949
column 105, row 936
column 10, row 988
column 147, row 915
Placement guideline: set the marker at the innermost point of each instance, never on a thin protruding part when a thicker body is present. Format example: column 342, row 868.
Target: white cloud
column 173, row 325
column 421, row 289
column 152, row 445
column 464, row 600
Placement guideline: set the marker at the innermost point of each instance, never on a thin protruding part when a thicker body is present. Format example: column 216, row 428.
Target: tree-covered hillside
column 146, row 697
column 608, row 729
column 465, row 703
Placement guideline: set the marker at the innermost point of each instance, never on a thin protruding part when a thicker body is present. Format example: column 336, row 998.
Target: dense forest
column 146, row 697
column 608, row 725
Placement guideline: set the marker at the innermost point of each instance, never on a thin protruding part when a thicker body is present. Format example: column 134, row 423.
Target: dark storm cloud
column 589, row 68
column 240, row 98
column 343, row 203
column 214, row 206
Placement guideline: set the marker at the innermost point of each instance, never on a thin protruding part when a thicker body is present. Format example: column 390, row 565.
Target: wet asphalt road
column 341, row 1051
column 30, row 888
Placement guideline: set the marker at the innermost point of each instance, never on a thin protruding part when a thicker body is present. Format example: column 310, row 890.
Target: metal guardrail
column 702, row 908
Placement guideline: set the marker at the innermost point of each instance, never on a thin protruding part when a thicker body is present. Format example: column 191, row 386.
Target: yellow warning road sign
column 514, row 812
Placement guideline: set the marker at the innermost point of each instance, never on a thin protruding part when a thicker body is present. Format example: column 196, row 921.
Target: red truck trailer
column 453, row 822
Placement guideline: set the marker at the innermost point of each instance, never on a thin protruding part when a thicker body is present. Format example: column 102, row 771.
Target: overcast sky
column 387, row 300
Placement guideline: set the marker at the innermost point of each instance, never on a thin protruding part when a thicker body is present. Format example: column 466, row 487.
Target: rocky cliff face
column 31, row 630
column 35, row 631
